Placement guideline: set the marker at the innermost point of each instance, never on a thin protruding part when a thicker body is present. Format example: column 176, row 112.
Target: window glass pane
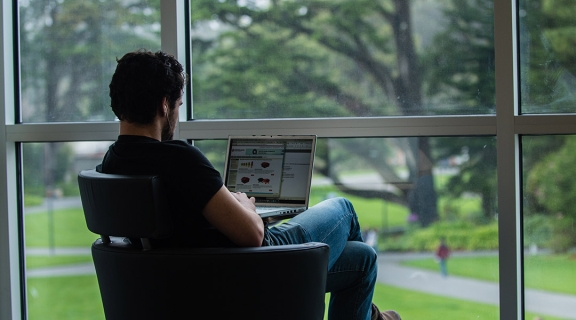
column 316, row 58
column 68, row 51
column 547, row 59
column 411, row 193
column 549, row 219
column 60, row 278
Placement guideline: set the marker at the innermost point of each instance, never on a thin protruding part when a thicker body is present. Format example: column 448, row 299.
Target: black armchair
column 142, row 282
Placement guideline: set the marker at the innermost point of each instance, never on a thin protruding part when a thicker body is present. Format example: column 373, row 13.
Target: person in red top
column 442, row 253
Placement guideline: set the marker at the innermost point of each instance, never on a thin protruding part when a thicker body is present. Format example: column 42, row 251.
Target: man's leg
column 332, row 221
column 352, row 267
column 351, row 283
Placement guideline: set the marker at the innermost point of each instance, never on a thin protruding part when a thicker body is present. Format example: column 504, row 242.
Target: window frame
column 507, row 125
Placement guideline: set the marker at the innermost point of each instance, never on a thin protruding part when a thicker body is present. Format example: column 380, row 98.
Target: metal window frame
column 507, row 125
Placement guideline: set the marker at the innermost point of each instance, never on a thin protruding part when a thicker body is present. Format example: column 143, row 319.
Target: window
column 60, row 278
column 306, row 59
column 402, row 97
column 547, row 78
column 68, row 50
column 548, row 221
column 547, row 63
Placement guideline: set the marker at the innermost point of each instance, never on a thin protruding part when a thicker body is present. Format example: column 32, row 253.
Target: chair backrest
column 124, row 206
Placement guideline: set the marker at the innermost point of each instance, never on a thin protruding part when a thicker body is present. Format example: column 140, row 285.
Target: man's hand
column 234, row 214
column 246, row 202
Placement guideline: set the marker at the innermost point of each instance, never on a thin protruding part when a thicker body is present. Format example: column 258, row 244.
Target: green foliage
column 564, row 237
column 538, row 230
column 68, row 50
column 552, row 186
column 476, row 165
column 459, row 235
column 560, row 31
column 461, row 61
column 47, row 166
column 546, row 49
column 31, row 200
column 552, row 183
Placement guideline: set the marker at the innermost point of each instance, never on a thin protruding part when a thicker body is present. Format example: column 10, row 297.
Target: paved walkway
column 55, row 204
column 392, row 273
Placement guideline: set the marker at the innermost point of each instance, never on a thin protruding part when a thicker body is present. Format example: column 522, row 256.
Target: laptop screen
column 273, row 169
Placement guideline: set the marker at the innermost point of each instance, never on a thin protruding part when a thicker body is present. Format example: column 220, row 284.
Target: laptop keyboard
column 269, row 209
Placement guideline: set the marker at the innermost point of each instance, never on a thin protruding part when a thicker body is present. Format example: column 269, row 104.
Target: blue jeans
column 352, row 265
column 443, row 268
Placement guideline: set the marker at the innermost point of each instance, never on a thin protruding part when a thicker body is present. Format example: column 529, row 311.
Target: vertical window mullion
column 10, row 269
column 511, row 293
column 174, row 19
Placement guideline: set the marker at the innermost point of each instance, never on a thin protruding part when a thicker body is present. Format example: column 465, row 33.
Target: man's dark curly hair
column 141, row 80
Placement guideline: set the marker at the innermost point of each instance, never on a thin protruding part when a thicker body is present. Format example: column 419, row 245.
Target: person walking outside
column 442, row 254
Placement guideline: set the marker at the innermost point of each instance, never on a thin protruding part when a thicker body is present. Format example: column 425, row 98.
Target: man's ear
column 165, row 106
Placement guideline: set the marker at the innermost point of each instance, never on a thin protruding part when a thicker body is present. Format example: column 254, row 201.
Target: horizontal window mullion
column 325, row 127
column 47, row 132
column 343, row 127
column 545, row 124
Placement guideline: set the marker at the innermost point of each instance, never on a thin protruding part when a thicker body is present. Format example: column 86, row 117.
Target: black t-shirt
column 188, row 177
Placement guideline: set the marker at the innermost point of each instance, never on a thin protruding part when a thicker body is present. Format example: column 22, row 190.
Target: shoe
column 390, row 315
column 386, row 315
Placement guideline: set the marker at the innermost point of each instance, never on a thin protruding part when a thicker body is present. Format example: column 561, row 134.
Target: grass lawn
column 78, row 298
column 416, row 305
column 556, row 273
column 70, row 226
column 64, row 298
column 372, row 213
column 69, row 229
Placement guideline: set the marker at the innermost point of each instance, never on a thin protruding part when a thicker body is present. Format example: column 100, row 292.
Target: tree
column 67, row 60
column 68, row 50
column 461, row 59
column 316, row 58
column 548, row 65
column 551, row 183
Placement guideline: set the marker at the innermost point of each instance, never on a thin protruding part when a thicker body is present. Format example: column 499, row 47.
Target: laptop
column 275, row 170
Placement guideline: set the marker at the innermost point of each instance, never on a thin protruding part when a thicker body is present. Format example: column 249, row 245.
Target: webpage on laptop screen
column 256, row 169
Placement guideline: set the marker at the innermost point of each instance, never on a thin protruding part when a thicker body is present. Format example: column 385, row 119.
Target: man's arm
column 234, row 215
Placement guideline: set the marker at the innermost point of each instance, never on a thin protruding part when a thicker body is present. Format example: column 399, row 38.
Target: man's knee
column 343, row 202
column 365, row 254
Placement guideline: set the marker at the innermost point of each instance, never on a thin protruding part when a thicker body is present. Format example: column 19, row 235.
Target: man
column 146, row 94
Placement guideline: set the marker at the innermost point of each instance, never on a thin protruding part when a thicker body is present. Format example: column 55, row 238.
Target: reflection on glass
column 302, row 59
column 68, row 51
column 549, row 194
column 547, row 61
column 411, row 193
column 60, row 278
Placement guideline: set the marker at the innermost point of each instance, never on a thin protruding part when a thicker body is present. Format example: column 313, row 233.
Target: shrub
column 459, row 235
